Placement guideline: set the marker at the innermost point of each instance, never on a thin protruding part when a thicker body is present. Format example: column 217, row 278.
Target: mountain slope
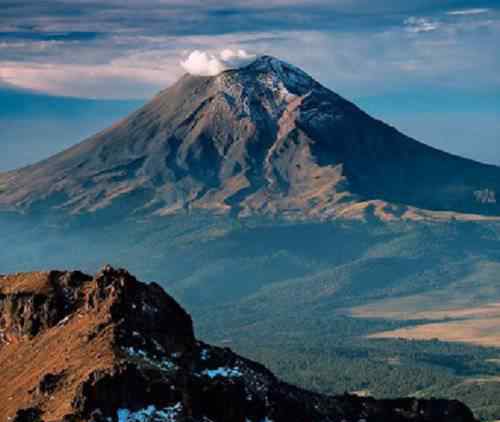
column 262, row 140
column 111, row 349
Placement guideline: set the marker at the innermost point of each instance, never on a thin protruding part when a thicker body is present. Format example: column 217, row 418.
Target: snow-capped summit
column 290, row 75
column 265, row 139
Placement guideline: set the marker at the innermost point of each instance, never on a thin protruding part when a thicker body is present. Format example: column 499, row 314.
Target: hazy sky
column 429, row 67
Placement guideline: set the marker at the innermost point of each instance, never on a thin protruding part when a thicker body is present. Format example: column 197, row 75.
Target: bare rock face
column 109, row 348
column 28, row 308
column 263, row 140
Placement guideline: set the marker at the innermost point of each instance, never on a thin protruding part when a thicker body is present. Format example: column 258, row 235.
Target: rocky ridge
column 109, row 348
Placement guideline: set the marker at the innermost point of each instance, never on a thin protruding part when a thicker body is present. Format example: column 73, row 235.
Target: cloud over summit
column 203, row 63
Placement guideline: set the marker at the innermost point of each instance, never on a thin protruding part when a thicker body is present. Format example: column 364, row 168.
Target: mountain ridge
column 263, row 140
column 108, row 348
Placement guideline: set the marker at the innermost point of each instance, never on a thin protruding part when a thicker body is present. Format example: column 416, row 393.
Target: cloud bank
column 203, row 63
column 131, row 49
column 468, row 12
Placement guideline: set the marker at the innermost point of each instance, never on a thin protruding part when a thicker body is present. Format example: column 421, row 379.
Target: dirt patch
column 478, row 331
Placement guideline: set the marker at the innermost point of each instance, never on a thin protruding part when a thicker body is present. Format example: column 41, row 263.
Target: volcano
column 262, row 140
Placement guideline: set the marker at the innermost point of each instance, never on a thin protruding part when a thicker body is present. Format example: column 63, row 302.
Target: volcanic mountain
column 266, row 139
column 75, row 348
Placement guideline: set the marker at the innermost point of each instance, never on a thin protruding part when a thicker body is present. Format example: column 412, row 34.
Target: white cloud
column 389, row 59
column 416, row 25
column 207, row 64
column 129, row 67
column 119, row 79
column 468, row 12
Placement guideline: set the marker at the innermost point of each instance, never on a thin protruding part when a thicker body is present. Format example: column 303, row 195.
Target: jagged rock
column 28, row 308
column 110, row 348
column 50, row 382
column 28, row 415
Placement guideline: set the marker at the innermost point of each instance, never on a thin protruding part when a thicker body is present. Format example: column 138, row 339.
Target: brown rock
column 109, row 346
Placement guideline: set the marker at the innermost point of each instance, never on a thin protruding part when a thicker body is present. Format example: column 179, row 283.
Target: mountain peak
column 273, row 70
column 273, row 64
column 262, row 140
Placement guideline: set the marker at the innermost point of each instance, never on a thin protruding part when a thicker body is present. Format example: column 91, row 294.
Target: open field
column 479, row 325
column 478, row 331
column 418, row 307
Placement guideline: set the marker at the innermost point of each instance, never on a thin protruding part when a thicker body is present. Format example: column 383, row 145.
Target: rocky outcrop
column 29, row 308
column 109, row 348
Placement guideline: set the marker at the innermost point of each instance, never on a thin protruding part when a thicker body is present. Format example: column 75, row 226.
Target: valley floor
column 479, row 325
column 308, row 299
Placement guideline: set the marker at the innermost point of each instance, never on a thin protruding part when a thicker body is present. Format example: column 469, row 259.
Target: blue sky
column 429, row 67
column 35, row 126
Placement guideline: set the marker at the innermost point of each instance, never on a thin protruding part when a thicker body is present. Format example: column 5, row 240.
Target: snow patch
column 150, row 413
column 292, row 76
column 223, row 371
column 276, row 85
column 163, row 364
column 204, row 354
